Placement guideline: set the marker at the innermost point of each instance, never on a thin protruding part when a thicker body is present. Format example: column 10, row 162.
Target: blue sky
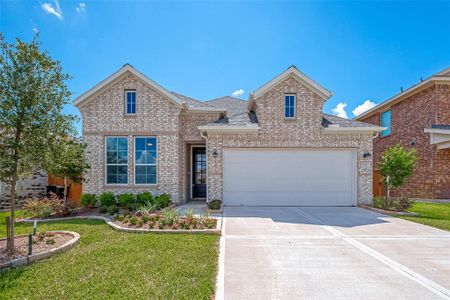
column 358, row 50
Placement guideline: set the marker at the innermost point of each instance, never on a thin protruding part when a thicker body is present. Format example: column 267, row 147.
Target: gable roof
column 442, row 77
column 191, row 102
column 293, row 71
column 86, row 96
column 233, row 105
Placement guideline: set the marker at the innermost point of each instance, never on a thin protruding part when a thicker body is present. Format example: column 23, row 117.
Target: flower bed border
column 117, row 227
column 25, row 260
column 389, row 212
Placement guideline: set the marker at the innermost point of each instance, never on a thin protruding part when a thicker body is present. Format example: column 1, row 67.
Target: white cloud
column 363, row 107
column 35, row 30
column 238, row 93
column 53, row 9
column 81, row 7
column 339, row 110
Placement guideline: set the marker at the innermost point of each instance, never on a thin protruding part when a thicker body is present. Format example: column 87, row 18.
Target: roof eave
column 338, row 130
column 81, row 100
column 405, row 94
column 229, row 129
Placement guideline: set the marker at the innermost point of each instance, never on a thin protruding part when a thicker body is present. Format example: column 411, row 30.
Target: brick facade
column 409, row 118
column 176, row 130
column 304, row 131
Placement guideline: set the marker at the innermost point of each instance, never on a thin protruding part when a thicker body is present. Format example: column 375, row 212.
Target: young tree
column 66, row 160
column 397, row 164
column 32, row 96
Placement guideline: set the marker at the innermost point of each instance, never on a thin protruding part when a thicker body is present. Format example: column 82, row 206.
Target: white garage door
column 300, row 177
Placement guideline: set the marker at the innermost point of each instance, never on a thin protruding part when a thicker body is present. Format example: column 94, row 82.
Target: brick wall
column 304, row 131
column 409, row 118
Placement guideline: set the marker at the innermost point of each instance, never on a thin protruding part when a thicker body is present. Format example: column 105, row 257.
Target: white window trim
column 126, row 102
column 134, row 160
column 106, row 160
column 295, row 105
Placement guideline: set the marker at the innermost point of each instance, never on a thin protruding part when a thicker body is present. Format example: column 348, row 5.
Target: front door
column 198, row 172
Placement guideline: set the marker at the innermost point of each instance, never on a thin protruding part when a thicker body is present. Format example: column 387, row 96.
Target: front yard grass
column 432, row 214
column 107, row 264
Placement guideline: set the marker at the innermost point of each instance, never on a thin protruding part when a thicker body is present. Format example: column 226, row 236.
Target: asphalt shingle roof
column 234, row 106
column 328, row 120
column 191, row 102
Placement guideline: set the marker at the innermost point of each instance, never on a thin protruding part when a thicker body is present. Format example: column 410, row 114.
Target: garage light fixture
column 367, row 154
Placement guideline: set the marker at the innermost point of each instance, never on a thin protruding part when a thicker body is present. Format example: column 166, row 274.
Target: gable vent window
column 289, row 106
column 130, row 105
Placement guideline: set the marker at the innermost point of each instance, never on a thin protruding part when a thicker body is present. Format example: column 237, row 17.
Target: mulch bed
column 21, row 245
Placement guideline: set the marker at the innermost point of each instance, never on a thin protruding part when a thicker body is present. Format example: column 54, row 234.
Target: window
column 130, row 97
column 145, row 160
column 386, row 122
column 289, row 106
column 116, row 160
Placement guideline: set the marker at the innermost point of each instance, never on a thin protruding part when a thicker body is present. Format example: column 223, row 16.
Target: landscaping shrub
column 88, row 200
column 126, row 200
column 145, row 198
column 46, row 207
column 133, row 221
column 214, row 204
column 396, row 204
column 107, row 199
column 112, row 210
column 163, row 200
column 170, row 216
column 103, row 209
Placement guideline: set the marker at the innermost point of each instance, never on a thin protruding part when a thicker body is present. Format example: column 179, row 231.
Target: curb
column 116, row 227
column 389, row 212
column 21, row 261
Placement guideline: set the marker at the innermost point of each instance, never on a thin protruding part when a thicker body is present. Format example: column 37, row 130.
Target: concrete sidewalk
column 330, row 253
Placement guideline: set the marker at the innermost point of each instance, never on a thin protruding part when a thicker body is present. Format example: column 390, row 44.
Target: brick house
column 417, row 117
column 277, row 148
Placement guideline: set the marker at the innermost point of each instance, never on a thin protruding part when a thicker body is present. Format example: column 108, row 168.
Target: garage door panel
column 290, row 177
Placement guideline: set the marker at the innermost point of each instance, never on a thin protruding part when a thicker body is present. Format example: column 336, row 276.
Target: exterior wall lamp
column 367, row 154
column 215, row 154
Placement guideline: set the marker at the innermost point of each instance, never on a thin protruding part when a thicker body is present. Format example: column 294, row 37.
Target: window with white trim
column 289, row 106
column 116, row 160
column 130, row 102
column 145, row 160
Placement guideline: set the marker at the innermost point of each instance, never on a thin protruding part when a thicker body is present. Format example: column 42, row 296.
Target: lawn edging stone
column 117, row 227
column 25, row 260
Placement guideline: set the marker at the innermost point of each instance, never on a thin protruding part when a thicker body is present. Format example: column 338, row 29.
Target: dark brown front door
column 198, row 172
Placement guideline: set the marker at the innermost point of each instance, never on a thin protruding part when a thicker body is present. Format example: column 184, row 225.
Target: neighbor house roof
column 233, row 105
column 86, row 97
column 442, row 77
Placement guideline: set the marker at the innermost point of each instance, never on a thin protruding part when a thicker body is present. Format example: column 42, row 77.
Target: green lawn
column 107, row 264
column 432, row 214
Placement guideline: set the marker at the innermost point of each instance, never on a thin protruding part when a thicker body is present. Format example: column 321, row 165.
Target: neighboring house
column 34, row 186
column 278, row 148
column 418, row 117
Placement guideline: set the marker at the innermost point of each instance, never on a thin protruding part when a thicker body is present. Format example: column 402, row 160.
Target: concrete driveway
column 330, row 253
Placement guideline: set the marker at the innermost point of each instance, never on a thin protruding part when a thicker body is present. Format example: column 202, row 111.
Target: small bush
column 145, row 219
column 120, row 218
column 163, row 200
column 103, row 209
column 88, row 200
column 126, row 200
column 214, row 204
column 112, row 210
column 50, row 241
column 133, row 221
column 46, row 207
column 107, row 199
column 170, row 216
column 396, row 204
column 145, row 198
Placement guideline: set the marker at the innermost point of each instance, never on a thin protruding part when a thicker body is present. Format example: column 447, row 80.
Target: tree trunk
column 13, row 207
column 65, row 190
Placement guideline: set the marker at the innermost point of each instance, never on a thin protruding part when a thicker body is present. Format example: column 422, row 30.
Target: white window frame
column 126, row 102
column 294, row 105
column 108, row 164
column 155, row 164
